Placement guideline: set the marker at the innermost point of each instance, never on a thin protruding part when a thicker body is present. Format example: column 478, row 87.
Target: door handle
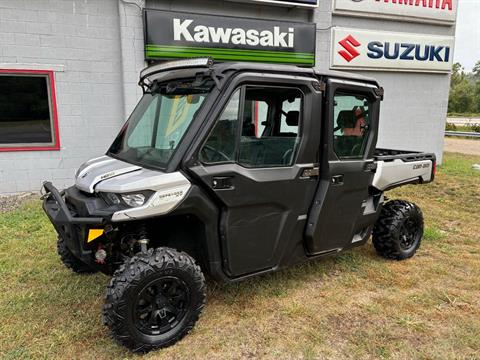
column 222, row 182
column 311, row 172
column 337, row 180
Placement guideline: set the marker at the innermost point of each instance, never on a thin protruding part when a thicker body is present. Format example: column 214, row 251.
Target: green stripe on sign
column 158, row 52
column 231, row 57
column 224, row 50
column 162, row 55
column 197, row 52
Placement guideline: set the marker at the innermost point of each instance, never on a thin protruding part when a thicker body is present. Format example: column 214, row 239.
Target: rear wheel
column 70, row 261
column 399, row 230
column 154, row 299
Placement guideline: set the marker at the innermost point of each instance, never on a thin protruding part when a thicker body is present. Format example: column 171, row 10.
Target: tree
column 476, row 70
column 464, row 90
column 476, row 97
column 461, row 97
column 457, row 74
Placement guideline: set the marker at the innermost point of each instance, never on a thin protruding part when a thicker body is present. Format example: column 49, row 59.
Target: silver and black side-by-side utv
column 235, row 170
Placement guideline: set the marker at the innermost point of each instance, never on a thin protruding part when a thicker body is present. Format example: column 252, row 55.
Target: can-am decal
column 171, row 34
column 436, row 11
column 376, row 50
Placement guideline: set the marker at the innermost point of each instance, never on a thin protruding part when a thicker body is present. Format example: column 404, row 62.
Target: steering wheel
column 356, row 150
column 216, row 155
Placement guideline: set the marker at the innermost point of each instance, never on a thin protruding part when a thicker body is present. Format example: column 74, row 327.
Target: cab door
column 258, row 162
column 344, row 209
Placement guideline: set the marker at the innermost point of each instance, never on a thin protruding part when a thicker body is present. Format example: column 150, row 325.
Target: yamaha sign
column 386, row 51
column 171, row 34
column 434, row 11
column 289, row 3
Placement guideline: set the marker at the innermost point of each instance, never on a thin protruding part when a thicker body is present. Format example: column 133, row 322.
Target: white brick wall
column 84, row 37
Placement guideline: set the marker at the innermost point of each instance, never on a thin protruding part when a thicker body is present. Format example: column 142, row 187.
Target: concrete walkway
column 463, row 146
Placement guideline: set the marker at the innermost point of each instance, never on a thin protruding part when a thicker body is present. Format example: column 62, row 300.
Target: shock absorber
column 143, row 237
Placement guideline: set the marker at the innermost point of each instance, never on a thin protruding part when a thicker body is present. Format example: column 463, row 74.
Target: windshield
column 159, row 122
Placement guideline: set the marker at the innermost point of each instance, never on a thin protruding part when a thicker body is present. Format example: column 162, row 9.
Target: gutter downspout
column 132, row 51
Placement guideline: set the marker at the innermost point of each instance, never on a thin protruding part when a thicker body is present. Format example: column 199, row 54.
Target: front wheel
column 70, row 261
column 399, row 230
column 154, row 299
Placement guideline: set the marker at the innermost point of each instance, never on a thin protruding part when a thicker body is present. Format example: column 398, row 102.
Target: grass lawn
column 355, row 305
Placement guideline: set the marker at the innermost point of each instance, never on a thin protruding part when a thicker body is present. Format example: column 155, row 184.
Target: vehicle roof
column 292, row 69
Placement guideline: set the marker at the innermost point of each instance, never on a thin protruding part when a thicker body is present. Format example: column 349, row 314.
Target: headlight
column 134, row 200
column 111, row 198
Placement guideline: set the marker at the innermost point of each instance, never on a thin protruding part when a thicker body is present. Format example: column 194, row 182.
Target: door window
column 221, row 144
column 350, row 125
column 270, row 128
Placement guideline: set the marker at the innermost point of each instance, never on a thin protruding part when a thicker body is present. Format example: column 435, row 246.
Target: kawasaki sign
column 171, row 34
column 387, row 51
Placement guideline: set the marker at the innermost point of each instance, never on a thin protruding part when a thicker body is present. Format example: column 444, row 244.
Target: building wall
column 80, row 41
column 229, row 8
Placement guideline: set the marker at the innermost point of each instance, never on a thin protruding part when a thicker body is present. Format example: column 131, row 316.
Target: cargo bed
column 407, row 156
column 400, row 167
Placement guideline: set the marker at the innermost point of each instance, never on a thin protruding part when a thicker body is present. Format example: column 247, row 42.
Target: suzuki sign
column 171, row 34
column 435, row 11
column 387, row 51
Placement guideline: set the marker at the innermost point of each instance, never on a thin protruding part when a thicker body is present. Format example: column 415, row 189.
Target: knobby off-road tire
column 399, row 230
column 70, row 261
column 154, row 299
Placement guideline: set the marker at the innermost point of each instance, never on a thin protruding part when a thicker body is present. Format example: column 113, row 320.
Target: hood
column 100, row 169
column 106, row 174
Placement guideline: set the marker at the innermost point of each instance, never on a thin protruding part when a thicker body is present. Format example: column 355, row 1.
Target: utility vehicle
column 233, row 170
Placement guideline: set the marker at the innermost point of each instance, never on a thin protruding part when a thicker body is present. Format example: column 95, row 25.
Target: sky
column 467, row 38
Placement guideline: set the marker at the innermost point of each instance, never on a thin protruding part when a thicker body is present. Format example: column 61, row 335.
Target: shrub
column 474, row 127
column 450, row 127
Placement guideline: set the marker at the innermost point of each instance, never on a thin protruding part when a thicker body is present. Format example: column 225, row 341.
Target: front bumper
column 57, row 210
column 71, row 228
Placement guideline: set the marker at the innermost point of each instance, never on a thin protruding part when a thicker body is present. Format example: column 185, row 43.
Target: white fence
column 463, row 120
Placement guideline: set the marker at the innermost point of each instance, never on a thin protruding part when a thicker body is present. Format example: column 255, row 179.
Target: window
column 269, row 134
column 351, row 125
column 28, row 117
column 270, row 130
column 142, row 134
column 221, row 144
column 160, row 121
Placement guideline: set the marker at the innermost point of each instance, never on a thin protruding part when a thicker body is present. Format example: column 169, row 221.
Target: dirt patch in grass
column 352, row 306
column 12, row 202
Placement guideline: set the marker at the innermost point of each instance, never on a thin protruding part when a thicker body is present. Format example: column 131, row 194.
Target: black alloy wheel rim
column 409, row 233
column 161, row 305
